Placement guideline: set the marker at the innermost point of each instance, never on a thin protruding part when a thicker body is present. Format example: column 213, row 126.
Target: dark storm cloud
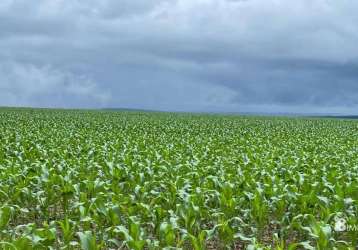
column 292, row 82
column 254, row 55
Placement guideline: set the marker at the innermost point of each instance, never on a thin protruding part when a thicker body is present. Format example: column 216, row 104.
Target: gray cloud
column 207, row 55
column 25, row 84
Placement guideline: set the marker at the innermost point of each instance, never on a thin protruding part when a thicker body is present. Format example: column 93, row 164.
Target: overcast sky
column 181, row 55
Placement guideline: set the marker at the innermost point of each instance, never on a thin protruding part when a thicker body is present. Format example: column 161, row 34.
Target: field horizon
column 264, row 114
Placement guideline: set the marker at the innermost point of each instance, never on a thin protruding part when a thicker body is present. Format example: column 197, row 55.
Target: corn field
column 72, row 179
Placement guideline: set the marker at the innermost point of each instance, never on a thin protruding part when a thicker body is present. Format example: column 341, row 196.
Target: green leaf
column 88, row 241
column 5, row 215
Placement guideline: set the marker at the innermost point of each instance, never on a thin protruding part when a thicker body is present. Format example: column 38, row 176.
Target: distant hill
column 343, row 116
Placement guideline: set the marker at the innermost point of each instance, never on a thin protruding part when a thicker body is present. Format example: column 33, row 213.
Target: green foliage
column 130, row 180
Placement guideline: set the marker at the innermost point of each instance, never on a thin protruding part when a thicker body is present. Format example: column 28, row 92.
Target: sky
column 273, row 56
